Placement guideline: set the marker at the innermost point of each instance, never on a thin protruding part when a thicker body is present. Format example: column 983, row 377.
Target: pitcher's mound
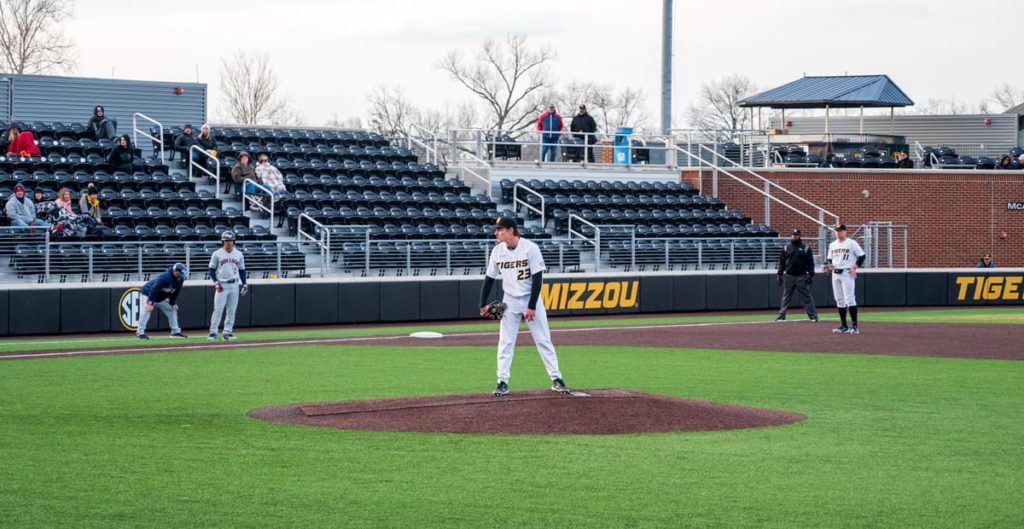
column 532, row 412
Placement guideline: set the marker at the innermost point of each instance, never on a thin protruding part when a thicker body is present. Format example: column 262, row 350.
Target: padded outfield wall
column 953, row 216
column 87, row 308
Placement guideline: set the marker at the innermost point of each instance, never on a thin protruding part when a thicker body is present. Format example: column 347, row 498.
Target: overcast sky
column 330, row 54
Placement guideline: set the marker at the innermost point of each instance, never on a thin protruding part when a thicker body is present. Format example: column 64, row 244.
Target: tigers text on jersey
column 227, row 264
column 515, row 266
column 844, row 254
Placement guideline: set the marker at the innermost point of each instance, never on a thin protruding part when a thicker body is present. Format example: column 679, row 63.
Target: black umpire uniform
column 796, row 271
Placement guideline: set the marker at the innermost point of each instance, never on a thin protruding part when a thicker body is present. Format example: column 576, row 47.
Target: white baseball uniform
column 843, row 256
column 229, row 267
column 516, row 267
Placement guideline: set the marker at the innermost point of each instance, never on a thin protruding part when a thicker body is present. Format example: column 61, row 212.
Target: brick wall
column 953, row 216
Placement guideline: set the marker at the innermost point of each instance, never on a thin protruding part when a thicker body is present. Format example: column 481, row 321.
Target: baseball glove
column 494, row 310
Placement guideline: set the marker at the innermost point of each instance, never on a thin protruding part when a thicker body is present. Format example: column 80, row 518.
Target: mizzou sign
column 989, row 288
column 597, row 296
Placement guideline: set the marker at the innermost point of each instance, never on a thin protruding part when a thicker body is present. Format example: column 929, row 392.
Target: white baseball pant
column 225, row 299
column 165, row 307
column 510, row 331
column 843, row 289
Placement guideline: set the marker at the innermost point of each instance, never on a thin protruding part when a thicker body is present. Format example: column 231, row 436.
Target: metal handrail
column 595, row 242
column 517, row 200
column 136, row 131
column 478, row 143
column 258, row 203
column 429, row 149
column 324, row 242
column 191, row 163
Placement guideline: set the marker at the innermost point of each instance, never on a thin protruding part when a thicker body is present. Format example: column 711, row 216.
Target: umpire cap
column 840, row 226
column 505, row 222
column 182, row 270
column 227, row 236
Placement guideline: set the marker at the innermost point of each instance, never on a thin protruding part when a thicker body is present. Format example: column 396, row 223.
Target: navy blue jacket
column 163, row 286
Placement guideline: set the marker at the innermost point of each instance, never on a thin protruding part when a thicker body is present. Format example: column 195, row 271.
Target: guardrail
column 428, row 143
column 516, row 201
column 594, row 240
column 318, row 236
column 46, row 260
column 136, row 131
column 258, row 201
column 192, row 163
column 525, row 146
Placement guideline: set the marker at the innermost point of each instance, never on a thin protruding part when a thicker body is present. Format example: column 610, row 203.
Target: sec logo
column 129, row 308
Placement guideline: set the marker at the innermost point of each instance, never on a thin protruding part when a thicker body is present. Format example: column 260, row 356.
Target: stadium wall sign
column 69, row 309
column 1015, row 206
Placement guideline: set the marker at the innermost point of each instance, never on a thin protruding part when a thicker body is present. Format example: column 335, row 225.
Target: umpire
column 796, row 271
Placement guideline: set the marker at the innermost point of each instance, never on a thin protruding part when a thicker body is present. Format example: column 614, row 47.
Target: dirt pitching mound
column 533, row 412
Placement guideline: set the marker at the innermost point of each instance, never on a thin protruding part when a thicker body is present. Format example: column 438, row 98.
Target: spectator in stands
column 101, row 127
column 22, row 143
column 271, row 177
column 38, row 197
column 1006, row 163
column 550, row 126
column 20, row 209
column 122, row 155
column 986, row 262
column 584, row 122
column 8, row 137
column 1020, row 162
column 64, row 201
column 184, row 142
column 241, row 171
column 903, row 160
column 89, row 202
column 208, row 143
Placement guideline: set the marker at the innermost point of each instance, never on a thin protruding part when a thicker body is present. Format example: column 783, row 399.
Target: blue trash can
column 621, row 151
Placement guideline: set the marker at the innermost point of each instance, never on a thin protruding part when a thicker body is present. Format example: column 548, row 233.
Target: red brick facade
column 953, row 216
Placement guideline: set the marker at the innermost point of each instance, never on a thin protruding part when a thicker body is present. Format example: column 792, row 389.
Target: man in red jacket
column 550, row 126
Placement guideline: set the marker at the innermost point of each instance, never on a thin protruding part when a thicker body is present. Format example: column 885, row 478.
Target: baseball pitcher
column 162, row 292
column 844, row 256
column 520, row 266
column 227, row 271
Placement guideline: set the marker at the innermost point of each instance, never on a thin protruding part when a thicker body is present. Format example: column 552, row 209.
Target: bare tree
column 510, row 77
column 391, row 113
column 32, row 40
column 1005, row 97
column 251, row 92
column 717, row 106
column 611, row 109
column 944, row 105
column 337, row 122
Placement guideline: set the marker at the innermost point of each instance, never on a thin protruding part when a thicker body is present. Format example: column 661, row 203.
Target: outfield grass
column 162, row 441
column 1004, row 315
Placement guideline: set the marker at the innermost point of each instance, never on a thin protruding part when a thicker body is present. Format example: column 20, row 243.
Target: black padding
column 656, row 294
column 35, row 311
column 316, row 303
column 243, row 314
column 721, row 292
column 4, row 312
column 439, row 300
column 926, row 289
column 884, row 289
column 970, row 292
column 273, row 304
column 400, row 301
column 752, row 291
column 689, row 292
column 84, row 310
column 469, row 297
column 358, row 302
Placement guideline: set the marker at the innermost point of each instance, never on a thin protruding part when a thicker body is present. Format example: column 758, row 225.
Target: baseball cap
column 796, row 231
column 227, row 236
column 551, row 105
column 505, row 222
column 20, row 186
column 583, row 107
column 840, row 227
column 181, row 269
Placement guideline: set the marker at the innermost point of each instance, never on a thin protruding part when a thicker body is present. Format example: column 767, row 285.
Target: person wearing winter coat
column 20, row 209
column 100, row 126
column 549, row 124
column 89, row 202
column 584, row 122
column 23, row 144
column 184, row 142
column 122, row 155
column 242, row 170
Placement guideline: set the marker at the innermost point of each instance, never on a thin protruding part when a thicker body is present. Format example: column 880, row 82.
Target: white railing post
column 247, row 197
column 517, row 200
column 216, row 163
column 136, row 131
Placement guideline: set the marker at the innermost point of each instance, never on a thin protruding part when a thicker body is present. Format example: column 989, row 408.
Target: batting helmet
column 227, row 236
column 181, row 269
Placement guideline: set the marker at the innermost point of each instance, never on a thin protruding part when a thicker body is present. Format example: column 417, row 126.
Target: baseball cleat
column 781, row 317
column 142, row 337
column 559, row 386
column 212, row 337
column 853, row 330
column 228, row 337
column 178, row 335
column 813, row 319
column 841, row 330
column 501, row 390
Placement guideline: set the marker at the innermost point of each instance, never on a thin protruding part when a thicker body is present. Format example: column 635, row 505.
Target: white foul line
column 329, row 341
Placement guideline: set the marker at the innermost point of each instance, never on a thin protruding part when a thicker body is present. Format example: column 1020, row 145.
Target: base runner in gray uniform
column 227, row 270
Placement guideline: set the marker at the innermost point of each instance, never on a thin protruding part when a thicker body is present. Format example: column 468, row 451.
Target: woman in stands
column 21, row 143
column 122, row 155
column 64, row 200
column 241, row 171
column 89, row 203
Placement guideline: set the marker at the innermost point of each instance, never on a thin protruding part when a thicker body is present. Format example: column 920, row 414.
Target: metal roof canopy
column 854, row 91
column 847, row 91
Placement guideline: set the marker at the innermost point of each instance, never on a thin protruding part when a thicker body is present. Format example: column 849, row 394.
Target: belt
column 839, row 270
column 230, row 281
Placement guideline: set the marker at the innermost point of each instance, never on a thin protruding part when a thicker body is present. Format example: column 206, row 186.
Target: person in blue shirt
column 986, row 262
column 549, row 124
column 162, row 291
